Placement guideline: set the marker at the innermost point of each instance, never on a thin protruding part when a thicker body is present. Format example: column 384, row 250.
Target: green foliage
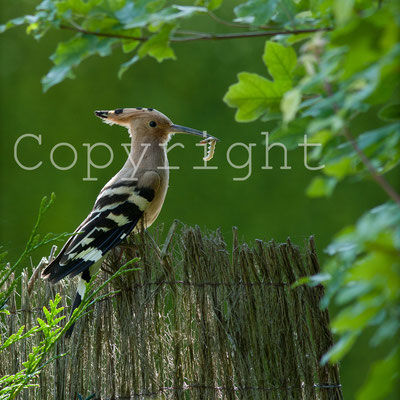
column 158, row 46
column 144, row 25
column 254, row 94
column 70, row 54
column 257, row 12
column 365, row 279
column 321, row 186
column 382, row 379
column 12, row 385
column 340, row 77
column 332, row 64
column 35, row 242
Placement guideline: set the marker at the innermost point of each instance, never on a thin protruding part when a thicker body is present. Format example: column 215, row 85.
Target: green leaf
column 252, row 95
column 26, row 19
column 340, row 348
column 77, row 6
column 256, row 12
column 322, row 137
column 358, row 38
column 352, row 292
column 47, row 314
column 125, row 66
column 43, row 324
column 381, row 145
column 129, row 45
column 350, row 241
column 286, row 12
column 388, row 330
column 378, row 269
column 290, row 104
column 67, row 55
column 104, row 24
column 293, row 39
column 322, row 106
column 343, row 10
column 70, row 54
column 175, row 12
column 340, row 168
column 271, row 116
column 13, row 338
column 389, row 78
column 210, row 4
column 158, row 45
column 291, row 134
column 390, row 112
column 114, row 5
column 378, row 219
column 383, row 378
column 321, row 187
column 142, row 13
column 354, row 317
column 281, row 62
column 313, row 280
column 138, row 13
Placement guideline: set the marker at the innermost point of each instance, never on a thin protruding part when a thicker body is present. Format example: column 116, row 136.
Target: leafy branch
column 379, row 179
column 198, row 36
column 357, row 60
column 148, row 28
column 322, row 89
column 12, row 385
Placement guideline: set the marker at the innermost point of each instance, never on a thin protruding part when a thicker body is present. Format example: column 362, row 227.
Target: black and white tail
column 116, row 212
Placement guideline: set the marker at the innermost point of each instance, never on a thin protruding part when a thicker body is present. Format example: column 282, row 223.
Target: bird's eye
column 153, row 124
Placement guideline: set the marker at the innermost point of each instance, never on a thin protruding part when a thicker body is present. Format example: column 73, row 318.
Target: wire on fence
column 195, row 320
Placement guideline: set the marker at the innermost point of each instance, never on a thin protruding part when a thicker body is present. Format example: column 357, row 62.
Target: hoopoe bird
column 135, row 193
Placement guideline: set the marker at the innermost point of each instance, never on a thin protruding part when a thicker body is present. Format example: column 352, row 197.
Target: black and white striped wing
column 116, row 212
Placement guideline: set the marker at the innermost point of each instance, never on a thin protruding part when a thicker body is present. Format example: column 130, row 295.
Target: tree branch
column 101, row 34
column 199, row 35
column 237, row 24
column 243, row 35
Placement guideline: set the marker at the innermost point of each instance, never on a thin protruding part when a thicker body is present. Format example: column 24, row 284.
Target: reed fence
column 196, row 321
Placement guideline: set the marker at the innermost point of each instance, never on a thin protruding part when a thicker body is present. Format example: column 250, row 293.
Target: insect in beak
column 184, row 129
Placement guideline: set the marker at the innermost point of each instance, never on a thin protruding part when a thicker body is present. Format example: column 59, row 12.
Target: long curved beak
column 184, row 129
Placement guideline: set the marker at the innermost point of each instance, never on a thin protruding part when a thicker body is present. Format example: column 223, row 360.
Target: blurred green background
column 269, row 204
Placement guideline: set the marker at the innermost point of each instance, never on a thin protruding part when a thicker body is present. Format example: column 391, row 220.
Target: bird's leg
column 163, row 256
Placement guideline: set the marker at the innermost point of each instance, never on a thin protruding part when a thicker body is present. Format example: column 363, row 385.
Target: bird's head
column 147, row 122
